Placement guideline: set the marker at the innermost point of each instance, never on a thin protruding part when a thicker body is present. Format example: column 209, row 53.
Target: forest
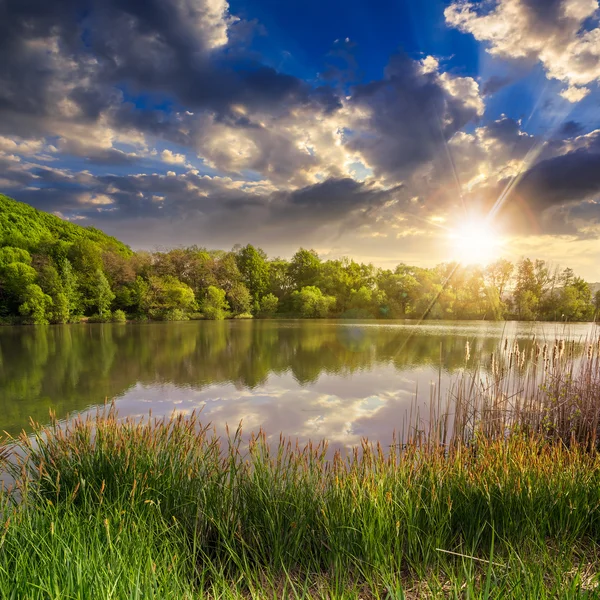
column 54, row 271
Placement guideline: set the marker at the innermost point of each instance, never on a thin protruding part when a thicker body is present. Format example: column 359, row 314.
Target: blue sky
column 377, row 130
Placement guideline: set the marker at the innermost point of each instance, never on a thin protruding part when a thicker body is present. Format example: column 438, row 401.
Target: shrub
column 119, row 316
column 175, row 314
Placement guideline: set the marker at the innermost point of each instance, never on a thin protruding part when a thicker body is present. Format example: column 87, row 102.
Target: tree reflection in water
column 305, row 377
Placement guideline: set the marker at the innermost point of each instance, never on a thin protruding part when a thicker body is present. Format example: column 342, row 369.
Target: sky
column 390, row 131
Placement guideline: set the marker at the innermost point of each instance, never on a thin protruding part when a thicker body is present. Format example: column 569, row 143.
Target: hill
column 23, row 226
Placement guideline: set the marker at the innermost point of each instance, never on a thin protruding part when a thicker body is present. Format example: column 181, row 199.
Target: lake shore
column 160, row 511
column 505, row 503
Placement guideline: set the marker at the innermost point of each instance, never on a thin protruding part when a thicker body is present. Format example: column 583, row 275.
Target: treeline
column 54, row 271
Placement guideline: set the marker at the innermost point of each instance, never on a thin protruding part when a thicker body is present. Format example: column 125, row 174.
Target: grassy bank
column 500, row 499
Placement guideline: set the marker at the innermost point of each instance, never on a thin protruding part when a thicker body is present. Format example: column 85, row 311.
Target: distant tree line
column 61, row 283
column 52, row 271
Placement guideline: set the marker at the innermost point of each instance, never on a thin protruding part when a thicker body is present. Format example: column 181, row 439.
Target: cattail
column 467, row 352
column 561, row 348
column 505, row 344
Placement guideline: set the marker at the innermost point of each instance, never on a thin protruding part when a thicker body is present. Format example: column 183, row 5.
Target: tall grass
column 500, row 500
column 552, row 390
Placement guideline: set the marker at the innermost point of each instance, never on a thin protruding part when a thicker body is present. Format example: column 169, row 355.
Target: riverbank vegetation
column 55, row 271
column 495, row 496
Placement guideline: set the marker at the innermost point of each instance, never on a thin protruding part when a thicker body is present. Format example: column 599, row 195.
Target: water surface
column 307, row 379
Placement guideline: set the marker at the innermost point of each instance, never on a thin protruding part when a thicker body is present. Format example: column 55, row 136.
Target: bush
column 105, row 318
column 119, row 316
column 175, row 314
column 244, row 315
column 215, row 306
column 268, row 305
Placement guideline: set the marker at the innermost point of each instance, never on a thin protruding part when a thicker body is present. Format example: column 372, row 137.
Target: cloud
column 69, row 65
column 172, row 158
column 406, row 118
column 560, row 34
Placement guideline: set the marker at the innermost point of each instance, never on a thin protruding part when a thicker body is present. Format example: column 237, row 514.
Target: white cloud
column 173, row 159
column 553, row 33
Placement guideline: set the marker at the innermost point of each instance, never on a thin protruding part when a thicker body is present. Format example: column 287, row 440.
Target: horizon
column 411, row 134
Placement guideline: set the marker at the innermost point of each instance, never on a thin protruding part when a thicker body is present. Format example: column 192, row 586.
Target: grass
column 501, row 499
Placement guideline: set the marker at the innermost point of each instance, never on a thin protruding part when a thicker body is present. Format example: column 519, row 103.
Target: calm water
column 307, row 379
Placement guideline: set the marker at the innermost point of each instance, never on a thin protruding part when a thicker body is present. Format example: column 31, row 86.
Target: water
column 306, row 379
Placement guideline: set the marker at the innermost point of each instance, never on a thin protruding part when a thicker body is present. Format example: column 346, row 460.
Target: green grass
column 116, row 509
column 508, row 507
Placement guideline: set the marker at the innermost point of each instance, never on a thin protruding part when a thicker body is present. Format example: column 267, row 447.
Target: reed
column 501, row 499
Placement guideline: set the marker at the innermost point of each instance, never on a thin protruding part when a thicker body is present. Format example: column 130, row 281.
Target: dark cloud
column 569, row 129
column 571, row 177
column 70, row 60
column 411, row 116
column 205, row 208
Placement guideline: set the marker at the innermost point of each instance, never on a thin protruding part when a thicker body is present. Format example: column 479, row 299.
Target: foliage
column 25, row 227
column 214, row 305
column 119, row 316
column 35, row 304
column 86, row 273
column 310, row 302
column 254, row 270
column 104, row 295
column 268, row 305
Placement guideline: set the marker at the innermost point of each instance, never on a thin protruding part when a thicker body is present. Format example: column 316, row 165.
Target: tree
column 103, row 294
column 164, row 297
column 268, row 305
column 526, row 297
column 214, row 305
column 310, row 302
column 576, row 300
column 239, row 299
column 254, row 270
column 69, row 287
column 50, row 282
column 86, row 258
column 16, row 277
column 304, row 268
column 35, row 304
column 498, row 275
column 10, row 255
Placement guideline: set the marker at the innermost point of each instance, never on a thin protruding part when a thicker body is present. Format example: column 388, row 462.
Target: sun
column 475, row 242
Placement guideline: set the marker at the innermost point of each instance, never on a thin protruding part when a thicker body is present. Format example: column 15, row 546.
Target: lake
column 307, row 379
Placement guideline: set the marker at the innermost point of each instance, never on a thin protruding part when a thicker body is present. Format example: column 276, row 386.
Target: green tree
column 576, row 300
column 165, row 297
column 103, row 294
column 214, row 305
column 526, row 297
column 16, row 277
column 239, row 298
column 10, row 255
column 35, row 304
column 69, row 287
column 50, row 282
column 304, row 268
column 268, row 305
column 310, row 302
column 254, row 270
